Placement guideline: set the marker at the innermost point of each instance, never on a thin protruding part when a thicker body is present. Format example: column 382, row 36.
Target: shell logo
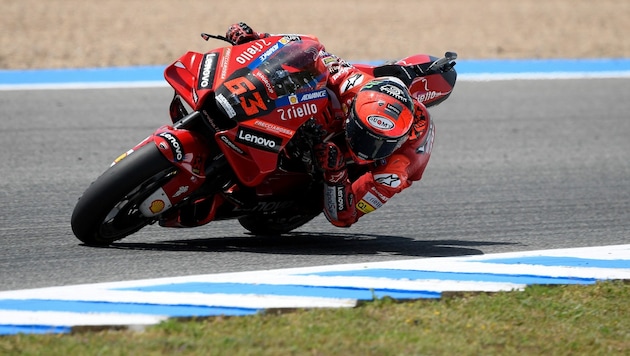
column 157, row 206
column 293, row 99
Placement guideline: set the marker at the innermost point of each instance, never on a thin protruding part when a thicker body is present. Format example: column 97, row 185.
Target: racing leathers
column 353, row 191
column 348, row 196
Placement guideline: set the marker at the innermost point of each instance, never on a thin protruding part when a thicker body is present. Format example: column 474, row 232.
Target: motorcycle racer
column 373, row 122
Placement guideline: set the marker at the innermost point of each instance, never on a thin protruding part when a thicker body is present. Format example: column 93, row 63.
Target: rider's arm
column 338, row 196
column 345, row 202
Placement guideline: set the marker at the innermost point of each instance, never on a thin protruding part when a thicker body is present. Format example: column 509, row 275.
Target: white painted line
column 249, row 301
column 10, row 317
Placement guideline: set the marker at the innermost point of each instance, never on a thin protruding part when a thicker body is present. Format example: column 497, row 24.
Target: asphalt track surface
column 517, row 166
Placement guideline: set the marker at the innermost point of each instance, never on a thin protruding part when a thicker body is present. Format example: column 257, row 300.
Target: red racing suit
column 347, row 196
column 347, row 200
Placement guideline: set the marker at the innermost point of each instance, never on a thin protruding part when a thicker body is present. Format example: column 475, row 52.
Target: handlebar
column 207, row 36
column 443, row 64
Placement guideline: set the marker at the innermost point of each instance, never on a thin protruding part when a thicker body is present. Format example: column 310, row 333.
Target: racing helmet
column 379, row 119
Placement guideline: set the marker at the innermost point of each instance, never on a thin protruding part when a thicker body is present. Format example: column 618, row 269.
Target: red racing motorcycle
column 240, row 142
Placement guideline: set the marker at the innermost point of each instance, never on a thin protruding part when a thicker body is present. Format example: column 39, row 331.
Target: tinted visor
column 367, row 145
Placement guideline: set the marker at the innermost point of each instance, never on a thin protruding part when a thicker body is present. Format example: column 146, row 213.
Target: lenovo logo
column 206, row 73
column 258, row 139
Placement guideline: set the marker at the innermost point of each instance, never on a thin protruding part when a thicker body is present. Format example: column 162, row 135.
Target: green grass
column 560, row 320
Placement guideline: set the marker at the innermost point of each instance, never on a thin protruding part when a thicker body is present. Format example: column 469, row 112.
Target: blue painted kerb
column 85, row 75
column 464, row 66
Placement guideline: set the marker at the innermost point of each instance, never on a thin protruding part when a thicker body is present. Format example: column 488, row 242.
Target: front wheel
column 108, row 210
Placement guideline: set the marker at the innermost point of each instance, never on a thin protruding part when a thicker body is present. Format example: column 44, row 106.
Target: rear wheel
column 108, row 210
column 274, row 225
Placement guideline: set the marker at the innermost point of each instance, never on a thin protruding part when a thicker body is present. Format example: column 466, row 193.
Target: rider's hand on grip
column 240, row 33
column 331, row 160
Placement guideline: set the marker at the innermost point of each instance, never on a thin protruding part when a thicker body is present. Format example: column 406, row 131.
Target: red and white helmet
column 379, row 119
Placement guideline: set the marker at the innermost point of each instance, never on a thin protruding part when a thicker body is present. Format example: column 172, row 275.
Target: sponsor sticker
column 231, row 144
column 297, row 111
column 157, row 206
column 258, row 139
column 225, row 61
column 341, row 198
column 394, row 110
column 251, row 51
column 295, row 99
column 425, row 95
column 380, row 122
column 372, row 200
column 267, row 53
column 352, row 82
column 183, row 189
column 207, row 71
column 225, row 104
column 330, row 201
column 363, row 206
column 394, row 92
column 428, row 96
column 273, row 127
column 388, row 179
column 258, row 74
column 156, row 203
column 289, row 38
column 318, row 94
column 176, row 146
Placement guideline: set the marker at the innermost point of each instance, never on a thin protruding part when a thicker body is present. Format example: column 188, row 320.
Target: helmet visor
column 367, row 145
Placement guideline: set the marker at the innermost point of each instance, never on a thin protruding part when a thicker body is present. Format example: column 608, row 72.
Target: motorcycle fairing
column 253, row 146
column 194, row 76
column 269, row 87
column 182, row 76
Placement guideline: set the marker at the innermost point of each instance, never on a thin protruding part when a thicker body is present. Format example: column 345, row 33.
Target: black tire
column 273, row 225
column 108, row 210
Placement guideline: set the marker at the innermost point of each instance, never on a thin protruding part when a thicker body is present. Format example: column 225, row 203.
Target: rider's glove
column 240, row 33
column 331, row 160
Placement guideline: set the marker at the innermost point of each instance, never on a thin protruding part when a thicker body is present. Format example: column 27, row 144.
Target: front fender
column 188, row 151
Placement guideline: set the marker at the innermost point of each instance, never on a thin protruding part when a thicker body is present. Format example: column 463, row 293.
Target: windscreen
column 286, row 66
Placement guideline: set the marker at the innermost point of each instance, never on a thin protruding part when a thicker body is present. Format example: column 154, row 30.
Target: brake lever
column 207, row 36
